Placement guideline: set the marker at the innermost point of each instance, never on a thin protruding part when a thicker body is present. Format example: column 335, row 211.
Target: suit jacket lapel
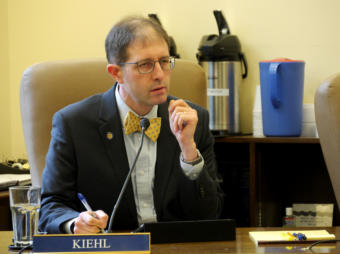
column 167, row 151
column 110, row 129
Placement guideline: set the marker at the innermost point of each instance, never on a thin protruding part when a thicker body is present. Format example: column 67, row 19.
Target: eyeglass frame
column 170, row 58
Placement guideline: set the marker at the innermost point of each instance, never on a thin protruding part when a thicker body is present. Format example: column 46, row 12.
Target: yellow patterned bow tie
column 132, row 124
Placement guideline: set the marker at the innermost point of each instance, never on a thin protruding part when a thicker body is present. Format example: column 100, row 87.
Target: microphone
column 144, row 123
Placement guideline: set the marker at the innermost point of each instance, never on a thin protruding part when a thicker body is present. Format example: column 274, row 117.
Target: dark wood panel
column 233, row 167
column 281, row 171
column 292, row 173
column 5, row 213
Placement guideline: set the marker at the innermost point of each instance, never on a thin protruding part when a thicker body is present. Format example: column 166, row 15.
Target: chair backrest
column 49, row 86
column 327, row 115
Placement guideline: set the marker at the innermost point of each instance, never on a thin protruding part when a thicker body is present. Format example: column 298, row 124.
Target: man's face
column 142, row 91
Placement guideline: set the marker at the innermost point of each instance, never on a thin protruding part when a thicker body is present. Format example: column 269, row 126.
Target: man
column 92, row 150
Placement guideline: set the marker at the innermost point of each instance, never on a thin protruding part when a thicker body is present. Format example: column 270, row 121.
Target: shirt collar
column 124, row 109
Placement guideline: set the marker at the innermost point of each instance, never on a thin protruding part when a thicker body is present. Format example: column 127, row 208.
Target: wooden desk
column 242, row 245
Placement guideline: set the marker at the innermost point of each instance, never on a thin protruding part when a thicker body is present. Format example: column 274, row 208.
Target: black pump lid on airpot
column 222, row 47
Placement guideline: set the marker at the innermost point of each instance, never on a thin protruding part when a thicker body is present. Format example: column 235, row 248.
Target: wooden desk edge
column 280, row 140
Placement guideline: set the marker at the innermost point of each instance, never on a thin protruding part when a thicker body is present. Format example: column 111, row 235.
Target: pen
column 297, row 236
column 300, row 236
column 290, row 236
column 88, row 208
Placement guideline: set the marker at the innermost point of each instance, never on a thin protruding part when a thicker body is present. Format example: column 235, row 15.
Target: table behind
column 242, row 245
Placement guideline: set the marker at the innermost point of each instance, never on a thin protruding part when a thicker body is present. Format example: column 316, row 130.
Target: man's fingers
column 88, row 218
column 82, row 227
column 90, row 222
column 173, row 104
column 102, row 217
column 181, row 119
column 180, row 109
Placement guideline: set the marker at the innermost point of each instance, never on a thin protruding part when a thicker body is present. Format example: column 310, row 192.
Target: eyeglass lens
column 147, row 66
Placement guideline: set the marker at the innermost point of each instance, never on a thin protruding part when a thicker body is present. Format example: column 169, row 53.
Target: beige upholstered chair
column 49, row 86
column 327, row 114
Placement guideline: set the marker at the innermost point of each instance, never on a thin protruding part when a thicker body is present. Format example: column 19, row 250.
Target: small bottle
column 289, row 219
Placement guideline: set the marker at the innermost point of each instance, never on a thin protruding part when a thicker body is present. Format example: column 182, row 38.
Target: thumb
column 170, row 108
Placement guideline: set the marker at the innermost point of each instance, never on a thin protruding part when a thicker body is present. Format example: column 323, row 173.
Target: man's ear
column 116, row 72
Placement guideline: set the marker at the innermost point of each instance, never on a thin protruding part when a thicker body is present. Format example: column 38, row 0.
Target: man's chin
column 158, row 102
column 159, row 99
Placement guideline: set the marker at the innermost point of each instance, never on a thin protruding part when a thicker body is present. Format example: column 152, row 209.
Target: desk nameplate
column 116, row 243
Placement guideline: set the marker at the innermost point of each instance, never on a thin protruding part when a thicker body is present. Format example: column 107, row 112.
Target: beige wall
column 5, row 120
column 41, row 30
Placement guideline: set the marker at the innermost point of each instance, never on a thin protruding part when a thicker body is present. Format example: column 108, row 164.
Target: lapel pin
column 109, row 135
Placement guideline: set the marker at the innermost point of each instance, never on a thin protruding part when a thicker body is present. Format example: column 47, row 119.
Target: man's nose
column 158, row 71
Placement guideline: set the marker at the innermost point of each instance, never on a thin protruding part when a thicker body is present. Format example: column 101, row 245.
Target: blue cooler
column 281, row 82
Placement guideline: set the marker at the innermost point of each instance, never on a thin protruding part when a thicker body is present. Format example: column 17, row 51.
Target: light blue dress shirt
column 144, row 173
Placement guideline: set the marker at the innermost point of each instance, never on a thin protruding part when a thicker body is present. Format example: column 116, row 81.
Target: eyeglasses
column 147, row 66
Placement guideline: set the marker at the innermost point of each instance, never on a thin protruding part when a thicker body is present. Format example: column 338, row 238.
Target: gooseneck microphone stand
column 144, row 123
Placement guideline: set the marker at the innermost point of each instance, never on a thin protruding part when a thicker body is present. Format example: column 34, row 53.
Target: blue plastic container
column 281, row 82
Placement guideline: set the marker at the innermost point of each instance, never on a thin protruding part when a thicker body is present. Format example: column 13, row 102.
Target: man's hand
column 183, row 122
column 86, row 223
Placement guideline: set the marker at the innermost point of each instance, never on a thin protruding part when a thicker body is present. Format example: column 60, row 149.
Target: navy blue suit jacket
column 81, row 158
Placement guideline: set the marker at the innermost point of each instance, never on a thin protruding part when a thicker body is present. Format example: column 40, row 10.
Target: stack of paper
column 285, row 236
column 7, row 180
